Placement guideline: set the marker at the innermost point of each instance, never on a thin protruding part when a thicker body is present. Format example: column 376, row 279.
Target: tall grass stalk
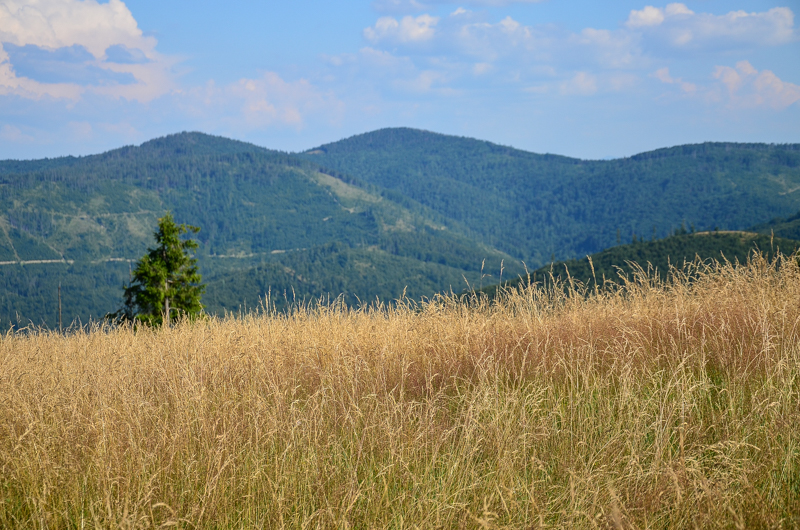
column 645, row 405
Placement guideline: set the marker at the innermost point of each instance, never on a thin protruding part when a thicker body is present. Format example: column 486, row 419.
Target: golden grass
column 646, row 406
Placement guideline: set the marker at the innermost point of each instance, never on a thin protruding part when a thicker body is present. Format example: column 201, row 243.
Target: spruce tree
column 165, row 282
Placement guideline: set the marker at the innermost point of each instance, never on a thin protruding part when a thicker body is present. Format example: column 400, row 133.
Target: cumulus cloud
column 59, row 23
column 673, row 27
column 473, row 46
column 469, row 35
column 406, row 30
column 746, row 87
column 654, row 16
column 67, row 48
column 677, row 26
column 266, row 101
column 488, row 41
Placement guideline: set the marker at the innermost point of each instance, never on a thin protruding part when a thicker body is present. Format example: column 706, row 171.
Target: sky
column 574, row 77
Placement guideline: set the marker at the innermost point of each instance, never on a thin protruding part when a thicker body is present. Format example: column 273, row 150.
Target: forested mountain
column 80, row 221
column 369, row 217
column 656, row 257
column 781, row 227
column 536, row 207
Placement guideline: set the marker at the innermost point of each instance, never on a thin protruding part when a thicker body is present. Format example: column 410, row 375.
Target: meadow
column 644, row 404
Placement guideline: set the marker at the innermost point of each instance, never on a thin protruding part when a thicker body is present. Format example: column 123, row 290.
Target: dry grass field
column 641, row 406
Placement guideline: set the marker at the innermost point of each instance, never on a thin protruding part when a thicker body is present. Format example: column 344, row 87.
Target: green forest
column 370, row 217
column 658, row 258
column 536, row 207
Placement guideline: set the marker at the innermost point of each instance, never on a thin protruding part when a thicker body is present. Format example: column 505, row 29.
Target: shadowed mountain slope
column 536, row 207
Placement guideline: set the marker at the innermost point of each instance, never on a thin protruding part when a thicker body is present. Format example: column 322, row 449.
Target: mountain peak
column 197, row 143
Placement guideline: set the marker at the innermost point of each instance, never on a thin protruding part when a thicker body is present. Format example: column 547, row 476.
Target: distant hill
column 657, row 256
column 539, row 207
column 373, row 216
column 81, row 221
column 788, row 227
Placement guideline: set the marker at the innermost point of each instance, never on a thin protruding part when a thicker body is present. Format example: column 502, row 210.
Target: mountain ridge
column 252, row 205
column 392, row 206
column 533, row 206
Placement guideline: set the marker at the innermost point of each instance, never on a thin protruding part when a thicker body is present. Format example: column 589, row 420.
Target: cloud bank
column 68, row 48
column 466, row 44
column 678, row 27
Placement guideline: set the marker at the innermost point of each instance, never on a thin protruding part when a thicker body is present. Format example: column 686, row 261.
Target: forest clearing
column 640, row 405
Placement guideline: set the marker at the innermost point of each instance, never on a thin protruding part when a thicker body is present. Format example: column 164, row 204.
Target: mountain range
column 369, row 217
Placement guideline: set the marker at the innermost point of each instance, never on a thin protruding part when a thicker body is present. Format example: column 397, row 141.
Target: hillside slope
column 623, row 262
column 376, row 215
column 540, row 207
column 788, row 227
column 81, row 221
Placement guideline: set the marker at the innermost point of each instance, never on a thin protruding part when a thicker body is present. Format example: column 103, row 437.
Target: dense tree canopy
column 166, row 282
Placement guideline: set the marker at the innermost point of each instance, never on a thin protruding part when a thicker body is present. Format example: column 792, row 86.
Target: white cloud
column 468, row 47
column 654, row 16
column 61, row 23
column 649, row 16
column 611, row 49
column 268, row 101
column 406, row 30
column 673, row 10
column 58, row 24
column 663, row 75
column 679, row 27
column 581, row 84
column 746, row 87
column 489, row 42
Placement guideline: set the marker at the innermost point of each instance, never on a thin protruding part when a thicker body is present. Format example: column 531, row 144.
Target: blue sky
column 574, row 77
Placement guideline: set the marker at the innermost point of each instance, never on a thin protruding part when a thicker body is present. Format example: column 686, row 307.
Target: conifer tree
column 165, row 282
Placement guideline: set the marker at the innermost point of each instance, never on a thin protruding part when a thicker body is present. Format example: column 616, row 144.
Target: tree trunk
column 166, row 305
